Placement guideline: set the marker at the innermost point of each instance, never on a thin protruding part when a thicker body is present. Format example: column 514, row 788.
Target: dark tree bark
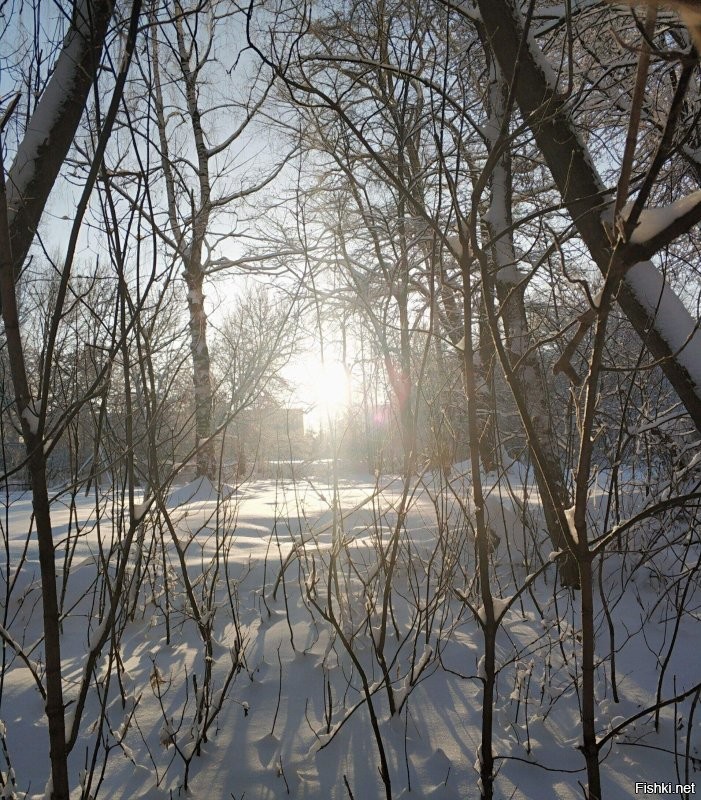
column 29, row 417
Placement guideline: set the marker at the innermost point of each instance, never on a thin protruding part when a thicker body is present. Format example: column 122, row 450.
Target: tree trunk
column 33, row 173
column 530, row 381
column 29, row 416
column 190, row 243
column 488, row 622
column 510, row 287
column 589, row 748
column 201, row 374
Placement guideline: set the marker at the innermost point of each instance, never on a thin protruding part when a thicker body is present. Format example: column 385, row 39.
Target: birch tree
column 201, row 134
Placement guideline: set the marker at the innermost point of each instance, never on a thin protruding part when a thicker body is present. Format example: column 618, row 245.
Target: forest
column 350, row 399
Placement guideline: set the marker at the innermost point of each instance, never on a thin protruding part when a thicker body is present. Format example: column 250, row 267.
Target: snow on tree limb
column 53, row 124
column 658, row 227
column 671, row 317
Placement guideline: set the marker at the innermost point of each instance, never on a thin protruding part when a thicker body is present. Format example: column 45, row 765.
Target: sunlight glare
column 330, row 389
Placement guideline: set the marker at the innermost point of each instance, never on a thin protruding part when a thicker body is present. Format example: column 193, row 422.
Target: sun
column 330, row 390
column 322, row 388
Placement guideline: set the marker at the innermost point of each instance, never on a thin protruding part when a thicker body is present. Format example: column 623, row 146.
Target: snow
column 469, row 10
column 541, row 61
column 569, row 516
column 30, row 416
column 455, row 244
column 140, row 510
column 510, row 275
column 295, row 713
column 653, row 221
column 200, row 491
column 672, row 319
column 500, row 605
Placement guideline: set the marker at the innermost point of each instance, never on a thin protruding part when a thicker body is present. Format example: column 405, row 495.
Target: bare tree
column 197, row 148
column 40, row 155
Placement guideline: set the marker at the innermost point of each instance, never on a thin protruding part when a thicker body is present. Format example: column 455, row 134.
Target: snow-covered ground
column 308, row 616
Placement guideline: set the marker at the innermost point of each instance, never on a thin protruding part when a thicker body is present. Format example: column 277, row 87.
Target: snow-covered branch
column 53, row 124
